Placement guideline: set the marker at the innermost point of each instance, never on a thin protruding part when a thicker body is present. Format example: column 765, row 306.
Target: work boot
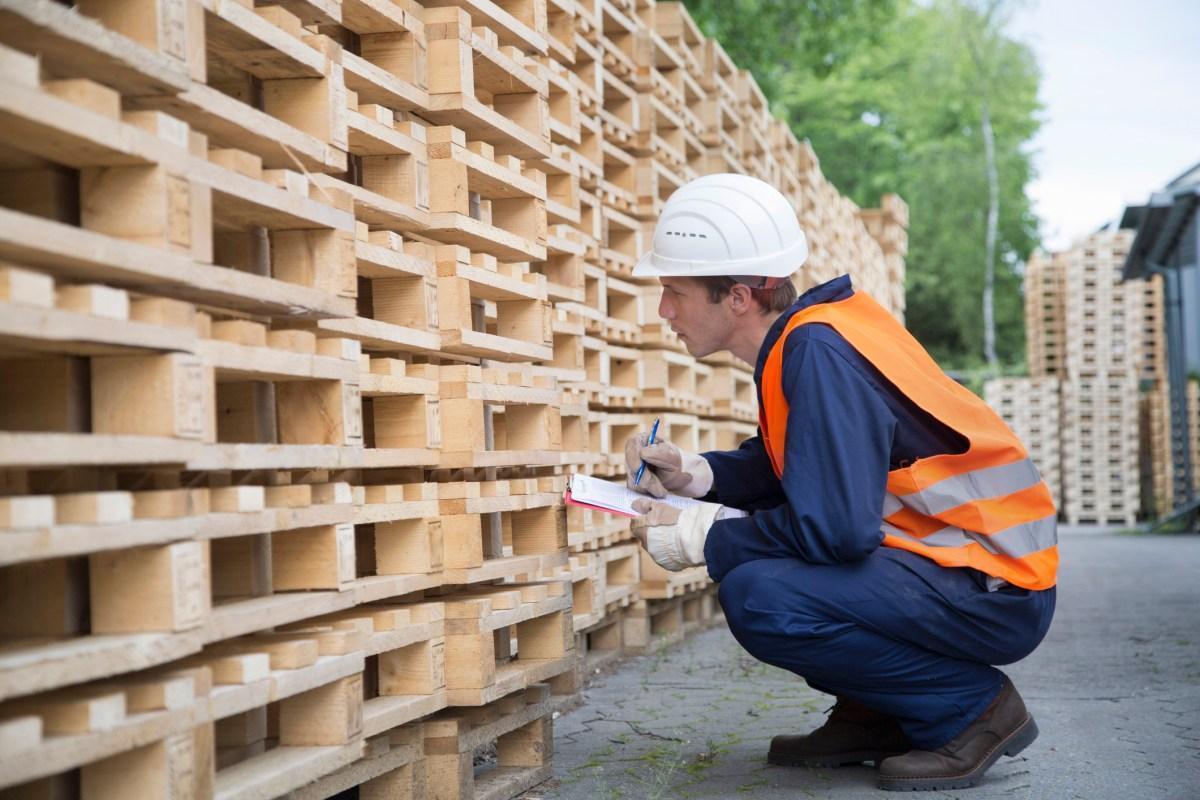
column 852, row 734
column 1004, row 728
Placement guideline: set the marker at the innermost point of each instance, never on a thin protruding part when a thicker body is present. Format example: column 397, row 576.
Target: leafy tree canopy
column 889, row 94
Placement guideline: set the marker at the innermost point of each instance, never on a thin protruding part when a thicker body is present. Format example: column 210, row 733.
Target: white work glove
column 674, row 538
column 669, row 470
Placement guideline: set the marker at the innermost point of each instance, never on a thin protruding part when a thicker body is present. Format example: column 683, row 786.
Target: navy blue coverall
column 805, row 582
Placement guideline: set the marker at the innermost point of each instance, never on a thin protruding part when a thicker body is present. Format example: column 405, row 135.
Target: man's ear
column 741, row 300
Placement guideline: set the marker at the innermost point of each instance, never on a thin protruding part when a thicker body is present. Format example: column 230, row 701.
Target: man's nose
column 666, row 309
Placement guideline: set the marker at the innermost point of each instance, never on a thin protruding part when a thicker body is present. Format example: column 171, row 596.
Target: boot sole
column 846, row 759
column 1014, row 743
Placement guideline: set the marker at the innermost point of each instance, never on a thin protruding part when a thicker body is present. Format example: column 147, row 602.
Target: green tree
column 896, row 106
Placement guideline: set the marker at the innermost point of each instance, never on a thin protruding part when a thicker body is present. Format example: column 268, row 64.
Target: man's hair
column 777, row 299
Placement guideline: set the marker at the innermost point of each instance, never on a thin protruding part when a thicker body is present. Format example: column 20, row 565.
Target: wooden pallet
column 660, row 584
column 492, row 311
column 488, row 203
column 519, row 727
column 521, row 411
column 734, row 395
column 493, row 92
column 676, row 382
column 503, row 639
column 654, row 624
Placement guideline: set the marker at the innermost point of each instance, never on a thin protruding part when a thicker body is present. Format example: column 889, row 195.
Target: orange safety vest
column 986, row 508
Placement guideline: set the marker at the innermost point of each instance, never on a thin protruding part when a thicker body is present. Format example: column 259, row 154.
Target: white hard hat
column 725, row 224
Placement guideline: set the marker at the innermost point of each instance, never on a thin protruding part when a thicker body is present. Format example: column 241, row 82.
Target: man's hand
column 674, row 538
column 668, row 469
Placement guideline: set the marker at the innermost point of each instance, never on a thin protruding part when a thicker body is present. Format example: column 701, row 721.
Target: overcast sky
column 1121, row 90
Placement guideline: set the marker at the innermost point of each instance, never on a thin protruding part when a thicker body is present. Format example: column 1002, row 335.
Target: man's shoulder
column 816, row 333
column 819, row 345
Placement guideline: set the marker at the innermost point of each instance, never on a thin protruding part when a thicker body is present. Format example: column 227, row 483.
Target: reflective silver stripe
column 891, row 504
column 1015, row 542
column 979, row 484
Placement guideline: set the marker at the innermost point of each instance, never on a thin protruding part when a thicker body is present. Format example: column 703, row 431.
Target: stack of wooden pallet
column 1158, row 493
column 1102, row 339
column 1193, row 400
column 1099, row 402
column 308, row 309
column 1154, row 439
column 1045, row 314
column 1030, row 407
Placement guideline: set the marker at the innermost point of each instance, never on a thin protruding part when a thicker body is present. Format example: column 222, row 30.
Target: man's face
column 703, row 326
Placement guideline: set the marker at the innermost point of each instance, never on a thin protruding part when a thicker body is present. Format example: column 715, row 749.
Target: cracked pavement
column 1115, row 689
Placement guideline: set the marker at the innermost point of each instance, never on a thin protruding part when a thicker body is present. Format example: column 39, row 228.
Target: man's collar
column 830, row 291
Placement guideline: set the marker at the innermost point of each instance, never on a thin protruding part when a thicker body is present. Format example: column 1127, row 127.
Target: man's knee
column 775, row 597
column 735, row 589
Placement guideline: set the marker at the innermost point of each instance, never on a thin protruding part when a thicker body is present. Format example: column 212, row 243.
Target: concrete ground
column 1115, row 689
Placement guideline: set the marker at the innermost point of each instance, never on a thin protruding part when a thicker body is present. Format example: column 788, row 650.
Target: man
column 900, row 541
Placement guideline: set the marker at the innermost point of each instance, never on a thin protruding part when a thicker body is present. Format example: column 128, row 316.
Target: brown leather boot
column 852, row 734
column 1004, row 728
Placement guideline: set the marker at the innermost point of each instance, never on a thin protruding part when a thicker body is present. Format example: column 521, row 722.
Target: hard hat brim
column 775, row 265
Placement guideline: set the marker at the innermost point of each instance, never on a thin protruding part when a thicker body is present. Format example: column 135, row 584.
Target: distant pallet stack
column 1045, row 314
column 1099, row 403
column 1154, row 435
column 1030, row 406
column 1193, row 395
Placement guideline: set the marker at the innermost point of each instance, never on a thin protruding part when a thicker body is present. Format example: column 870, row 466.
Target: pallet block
column 531, row 538
column 312, row 558
column 498, row 417
column 470, row 285
column 623, row 322
column 610, row 430
column 731, row 434
column 672, row 380
column 660, row 584
column 586, row 594
column 619, row 117
column 520, row 726
column 27, row 512
column 495, row 94
column 483, row 663
column 734, row 395
column 319, row 732
column 406, row 664
column 149, row 396
column 495, row 205
column 567, row 364
column 172, row 588
column 398, row 306
column 392, row 37
column 401, row 413
column 657, row 181
column 651, row 624
column 564, row 263
column 622, row 573
column 603, row 643
column 394, row 155
column 564, row 102
column 392, row 768
column 682, row 429
column 399, row 523
column 622, row 241
column 577, row 435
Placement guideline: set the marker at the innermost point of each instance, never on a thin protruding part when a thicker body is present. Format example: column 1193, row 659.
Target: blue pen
column 637, row 479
